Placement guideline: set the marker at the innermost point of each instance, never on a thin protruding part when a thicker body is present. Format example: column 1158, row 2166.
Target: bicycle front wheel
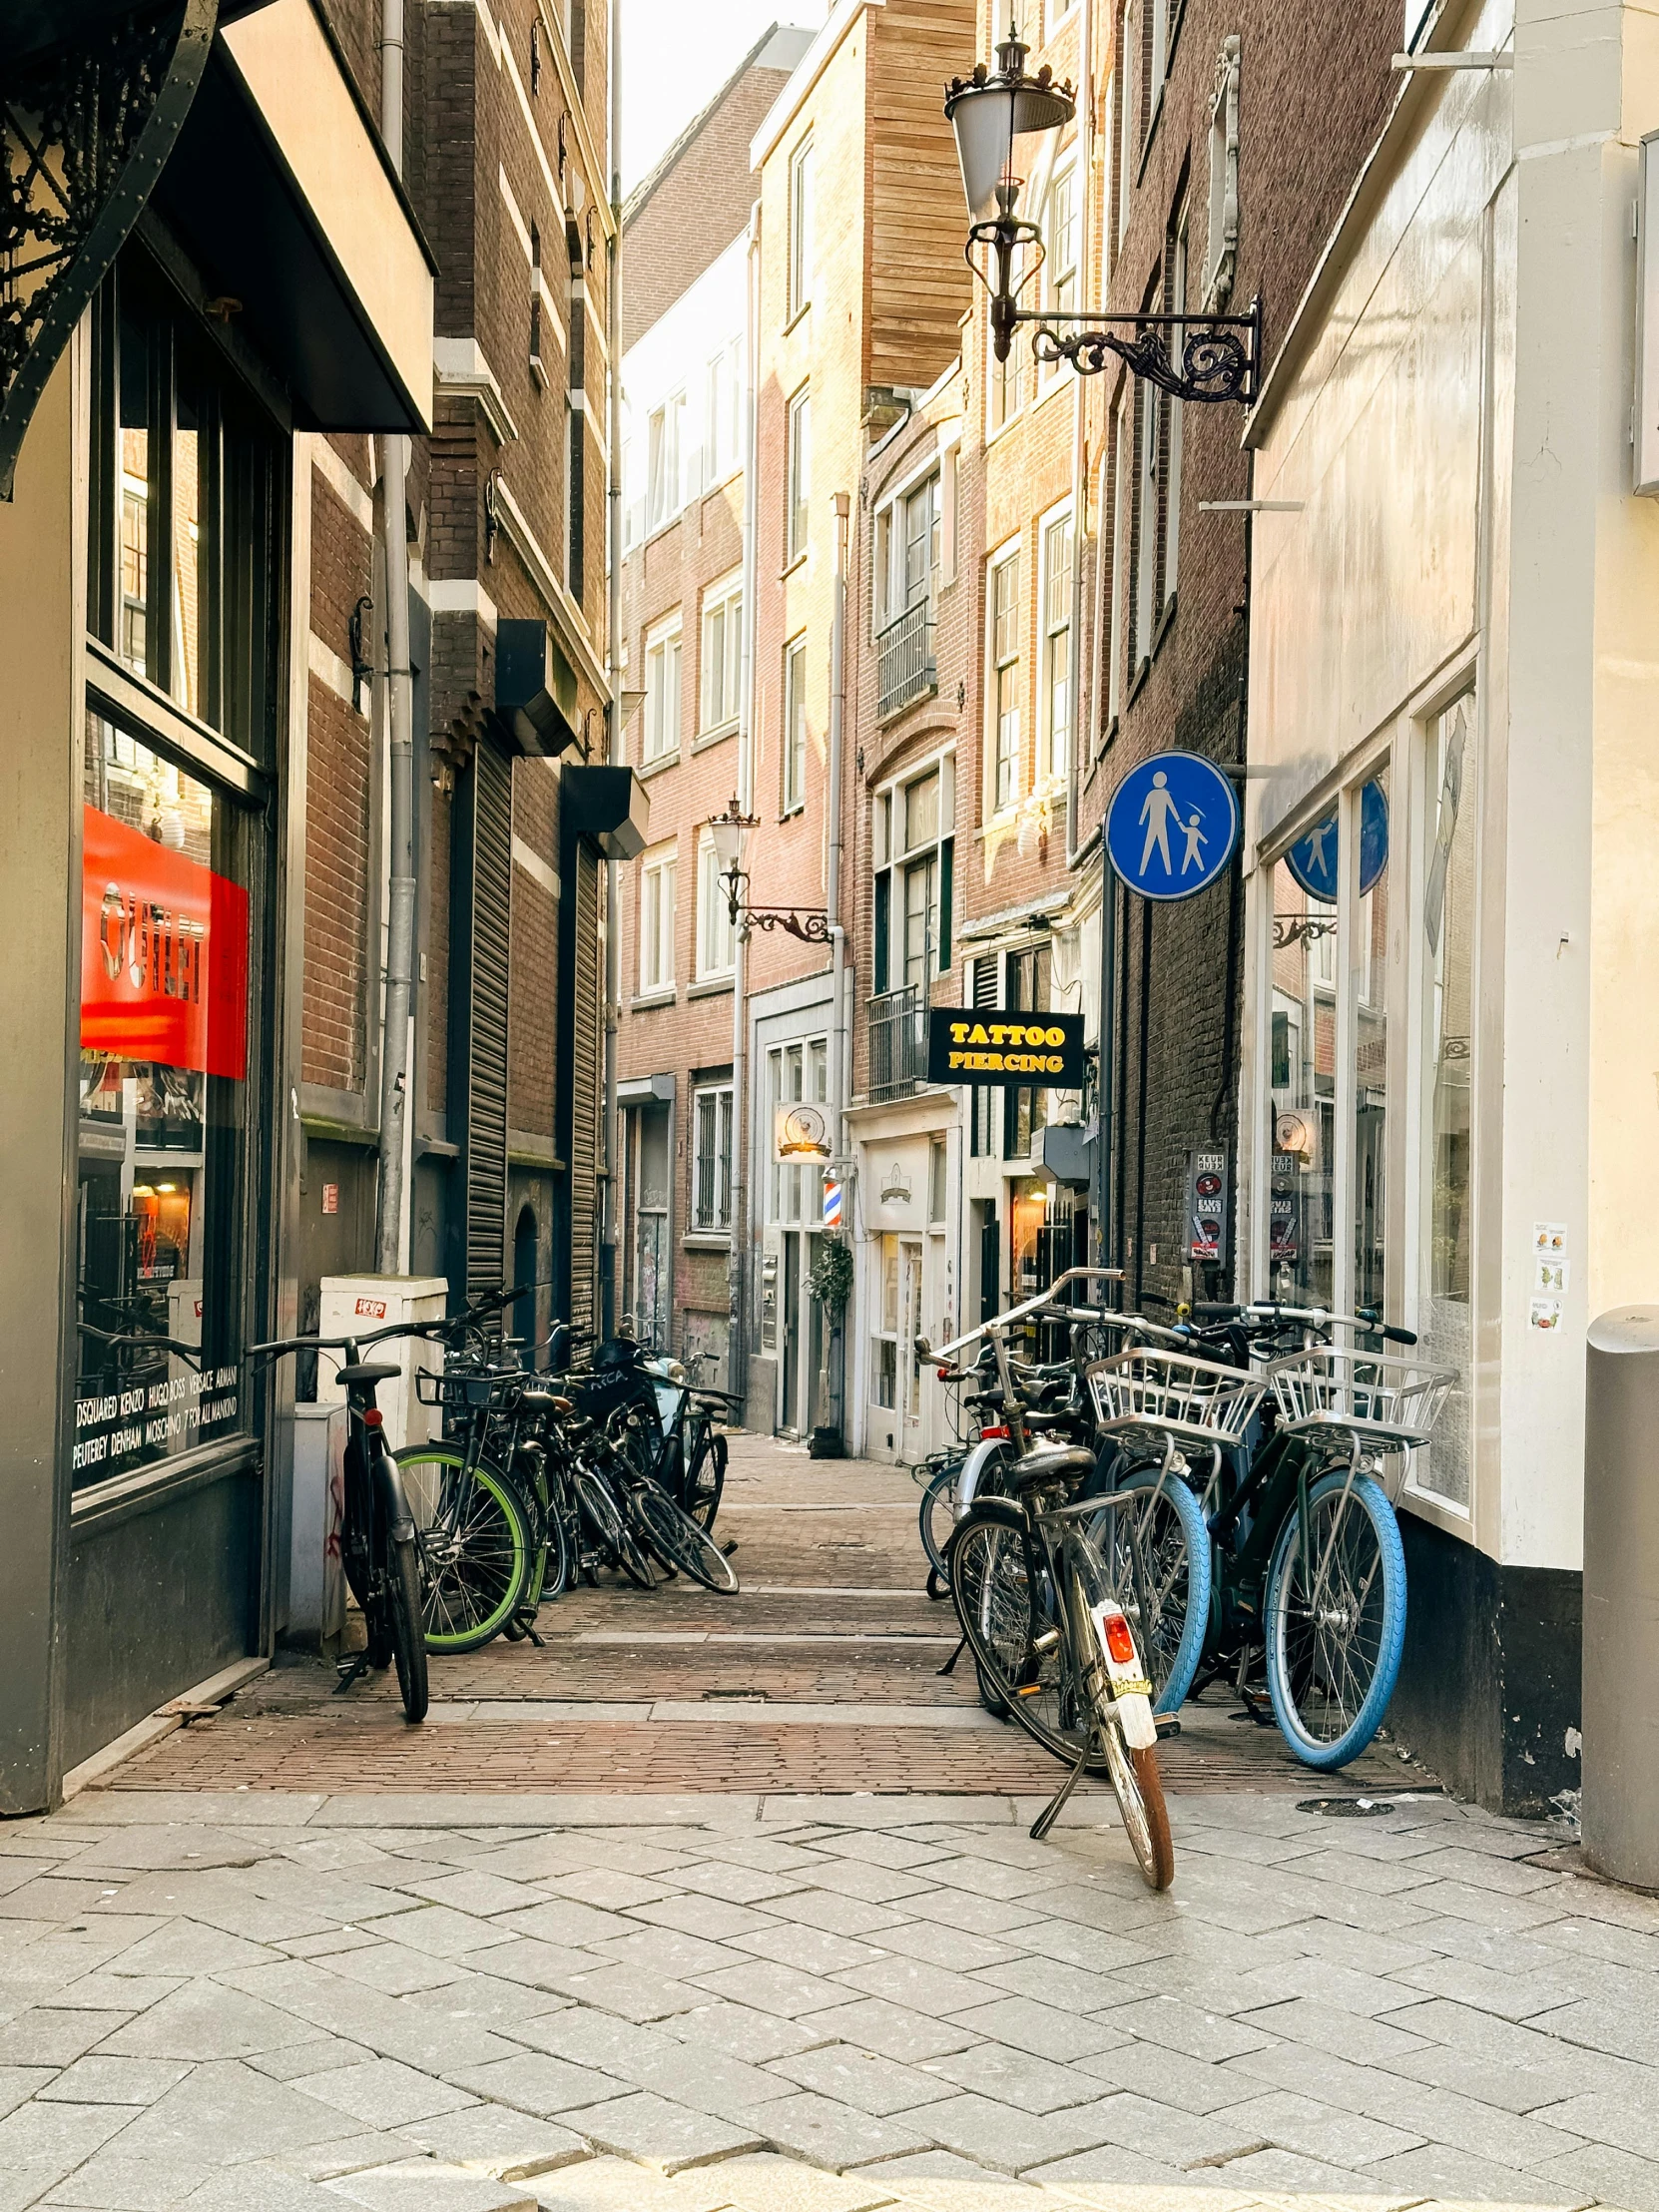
column 679, row 1542
column 1336, row 1619
column 473, row 1532
column 1157, row 1553
column 1139, row 1789
column 404, row 1608
column 602, row 1517
column 1004, row 1599
column 938, row 1517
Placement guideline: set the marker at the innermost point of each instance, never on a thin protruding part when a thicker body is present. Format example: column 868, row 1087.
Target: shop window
column 1004, row 614
column 1368, row 982
column 796, row 1072
column 1446, row 1314
column 939, row 1184
column 712, row 1158
column 722, row 656
column 185, row 493
column 160, row 1193
column 657, row 874
column 885, row 1347
column 794, row 793
column 1303, row 1077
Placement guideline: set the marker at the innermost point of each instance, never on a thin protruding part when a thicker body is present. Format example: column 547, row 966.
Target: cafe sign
column 976, row 1044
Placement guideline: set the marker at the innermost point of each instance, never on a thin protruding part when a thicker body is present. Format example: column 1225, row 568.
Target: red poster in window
column 164, row 953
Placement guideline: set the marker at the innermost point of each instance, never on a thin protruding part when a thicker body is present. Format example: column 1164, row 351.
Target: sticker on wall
column 1312, row 858
column 1551, row 1277
column 1549, row 1237
column 1545, row 1313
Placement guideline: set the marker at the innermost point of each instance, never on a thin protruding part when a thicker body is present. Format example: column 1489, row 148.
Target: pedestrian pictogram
column 1172, row 825
column 1313, row 858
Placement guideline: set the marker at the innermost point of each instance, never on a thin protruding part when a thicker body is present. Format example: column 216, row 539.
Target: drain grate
column 1348, row 1808
column 734, row 1697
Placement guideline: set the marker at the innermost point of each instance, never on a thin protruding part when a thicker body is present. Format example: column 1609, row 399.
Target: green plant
column 831, row 1281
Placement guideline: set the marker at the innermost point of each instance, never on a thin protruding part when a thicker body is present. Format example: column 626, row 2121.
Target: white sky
column 675, row 54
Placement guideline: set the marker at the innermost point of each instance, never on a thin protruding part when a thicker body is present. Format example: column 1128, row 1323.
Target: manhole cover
column 734, row 1697
column 1348, row 1808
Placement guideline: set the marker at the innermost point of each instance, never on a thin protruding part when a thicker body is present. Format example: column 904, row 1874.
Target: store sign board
column 799, row 1134
column 164, row 953
column 976, row 1044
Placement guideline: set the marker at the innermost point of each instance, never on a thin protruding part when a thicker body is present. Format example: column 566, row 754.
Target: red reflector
column 991, row 1434
column 944, row 1375
column 1119, row 1641
column 373, row 1416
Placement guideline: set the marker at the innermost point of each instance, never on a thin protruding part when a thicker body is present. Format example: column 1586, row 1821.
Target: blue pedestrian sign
column 1172, row 825
column 1312, row 858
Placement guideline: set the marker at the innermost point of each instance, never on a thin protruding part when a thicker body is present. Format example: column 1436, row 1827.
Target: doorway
column 909, row 1366
column 789, row 1411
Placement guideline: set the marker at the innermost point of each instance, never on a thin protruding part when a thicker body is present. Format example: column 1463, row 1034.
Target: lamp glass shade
column 982, row 117
column 728, row 841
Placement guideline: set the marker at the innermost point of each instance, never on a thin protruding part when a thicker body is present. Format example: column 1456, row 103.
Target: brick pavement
column 303, row 1956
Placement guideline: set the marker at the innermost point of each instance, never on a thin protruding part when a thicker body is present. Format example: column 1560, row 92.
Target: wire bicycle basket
column 1171, row 1394
column 1390, row 1404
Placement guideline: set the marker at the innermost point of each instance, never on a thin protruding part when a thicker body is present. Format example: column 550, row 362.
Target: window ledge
column 1164, row 623
column 1137, row 682
column 711, row 987
column 798, row 318
column 788, row 813
column 648, row 769
column 798, row 560
column 709, row 737
column 706, row 1239
column 648, row 1000
column 1109, row 738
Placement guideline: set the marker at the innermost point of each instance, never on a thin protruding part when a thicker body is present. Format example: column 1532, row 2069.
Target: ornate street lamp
column 990, row 110
column 730, row 832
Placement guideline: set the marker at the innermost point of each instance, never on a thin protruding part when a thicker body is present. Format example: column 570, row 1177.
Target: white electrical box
column 360, row 1303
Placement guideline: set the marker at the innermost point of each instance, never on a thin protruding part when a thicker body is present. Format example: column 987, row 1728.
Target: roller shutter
column 586, row 1101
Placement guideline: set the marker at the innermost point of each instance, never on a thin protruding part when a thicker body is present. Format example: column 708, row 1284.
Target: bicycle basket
column 1391, row 1402
column 463, row 1392
column 1174, row 1394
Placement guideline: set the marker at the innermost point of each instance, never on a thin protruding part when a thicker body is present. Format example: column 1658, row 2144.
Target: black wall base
column 1490, row 1687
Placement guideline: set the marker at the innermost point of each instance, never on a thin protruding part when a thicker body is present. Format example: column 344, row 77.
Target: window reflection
column 1302, row 1088
column 1370, row 1049
column 1448, row 917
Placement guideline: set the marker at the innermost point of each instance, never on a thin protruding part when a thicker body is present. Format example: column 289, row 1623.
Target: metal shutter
column 586, row 1103
column 486, row 1078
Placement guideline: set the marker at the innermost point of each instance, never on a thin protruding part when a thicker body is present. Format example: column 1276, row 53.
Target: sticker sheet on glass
column 1172, row 825
column 1312, row 858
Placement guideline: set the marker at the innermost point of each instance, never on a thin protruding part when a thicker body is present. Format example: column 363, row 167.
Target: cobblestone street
column 608, row 1948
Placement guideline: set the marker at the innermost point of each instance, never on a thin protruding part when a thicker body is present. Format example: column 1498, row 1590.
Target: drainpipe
column 838, row 935
column 743, row 1135
column 391, row 1244
column 613, row 624
column 1081, row 726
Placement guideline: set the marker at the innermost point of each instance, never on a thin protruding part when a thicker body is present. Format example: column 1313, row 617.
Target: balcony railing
column 906, row 665
column 898, row 1042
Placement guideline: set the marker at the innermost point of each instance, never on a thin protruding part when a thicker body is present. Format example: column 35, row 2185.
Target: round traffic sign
column 1172, row 825
column 1313, row 858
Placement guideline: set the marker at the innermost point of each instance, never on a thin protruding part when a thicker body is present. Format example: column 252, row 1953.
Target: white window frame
column 722, row 426
column 798, row 490
column 724, row 599
column 797, row 743
column 1058, row 12
column 664, row 463
column 1221, row 244
column 659, row 870
column 1007, row 555
column 893, row 855
column 1062, row 279
column 1052, row 637
column 1144, row 514
column 1129, row 135
column 717, row 936
column 1180, row 282
column 664, row 659
column 1118, row 583
column 712, row 1111
column 800, row 269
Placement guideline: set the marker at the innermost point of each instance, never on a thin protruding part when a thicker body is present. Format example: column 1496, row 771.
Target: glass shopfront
column 185, row 576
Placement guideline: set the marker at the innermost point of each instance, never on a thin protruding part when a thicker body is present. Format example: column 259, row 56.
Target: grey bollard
column 1621, row 1597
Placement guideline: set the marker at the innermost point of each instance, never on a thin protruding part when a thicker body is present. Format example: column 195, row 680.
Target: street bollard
column 1621, row 1597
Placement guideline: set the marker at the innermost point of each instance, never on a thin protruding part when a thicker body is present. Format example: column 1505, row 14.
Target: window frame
column 1007, row 557
column 666, row 634
column 800, row 269
column 797, row 478
column 724, row 598
column 1061, row 282
column 665, row 461
column 1058, row 518
column 893, row 860
column 718, row 1098
column 795, row 740
column 714, row 946
column 658, row 864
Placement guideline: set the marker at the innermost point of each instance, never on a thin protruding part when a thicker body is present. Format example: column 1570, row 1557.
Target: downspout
column 742, row 1138
column 613, row 623
column 391, row 1241
column 1080, row 726
column 838, row 935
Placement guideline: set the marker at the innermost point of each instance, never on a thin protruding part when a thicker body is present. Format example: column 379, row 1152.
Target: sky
column 675, row 54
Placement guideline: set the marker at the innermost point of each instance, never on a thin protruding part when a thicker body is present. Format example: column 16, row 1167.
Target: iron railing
column 905, row 665
column 898, row 1042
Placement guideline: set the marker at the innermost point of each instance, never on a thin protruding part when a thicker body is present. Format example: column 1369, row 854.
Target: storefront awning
column 609, row 805
column 282, row 188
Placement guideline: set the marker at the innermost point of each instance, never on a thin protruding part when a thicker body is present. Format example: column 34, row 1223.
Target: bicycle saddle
column 369, row 1372
column 1053, row 1463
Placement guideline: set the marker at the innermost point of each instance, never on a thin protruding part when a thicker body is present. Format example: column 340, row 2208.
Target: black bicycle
column 378, row 1546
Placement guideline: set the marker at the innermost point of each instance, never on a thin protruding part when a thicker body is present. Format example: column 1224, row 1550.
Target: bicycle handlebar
column 1307, row 1317
column 1018, row 1312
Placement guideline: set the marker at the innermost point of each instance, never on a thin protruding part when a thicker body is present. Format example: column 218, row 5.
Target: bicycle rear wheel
column 1335, row 1640
column 403, row 1609
column 679, row 1542
column 1004, row 1599
column 938, row 1517
column 602, row 1517
column 705, row 1478
column 1139, row 1789
column 473, row 1530
column 1157, row 1555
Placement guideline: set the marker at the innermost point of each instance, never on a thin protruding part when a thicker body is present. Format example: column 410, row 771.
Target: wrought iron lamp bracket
column 1289, row 929
column 85, row 129
column 1220, row 353
column 809, row 923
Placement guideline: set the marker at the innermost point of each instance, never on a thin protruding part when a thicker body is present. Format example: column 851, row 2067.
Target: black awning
column 231, row 197
column 609, row 805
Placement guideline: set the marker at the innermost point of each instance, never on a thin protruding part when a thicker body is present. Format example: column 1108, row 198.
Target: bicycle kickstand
column 949, row 1666
column 1057, row 1804
column 350, row 1670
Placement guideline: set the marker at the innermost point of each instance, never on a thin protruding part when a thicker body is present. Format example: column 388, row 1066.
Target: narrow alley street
column 616, row 1932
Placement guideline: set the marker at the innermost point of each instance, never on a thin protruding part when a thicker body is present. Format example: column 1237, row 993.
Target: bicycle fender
column 974, row 1468
column 1008, row 1510
column 388, row 1490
